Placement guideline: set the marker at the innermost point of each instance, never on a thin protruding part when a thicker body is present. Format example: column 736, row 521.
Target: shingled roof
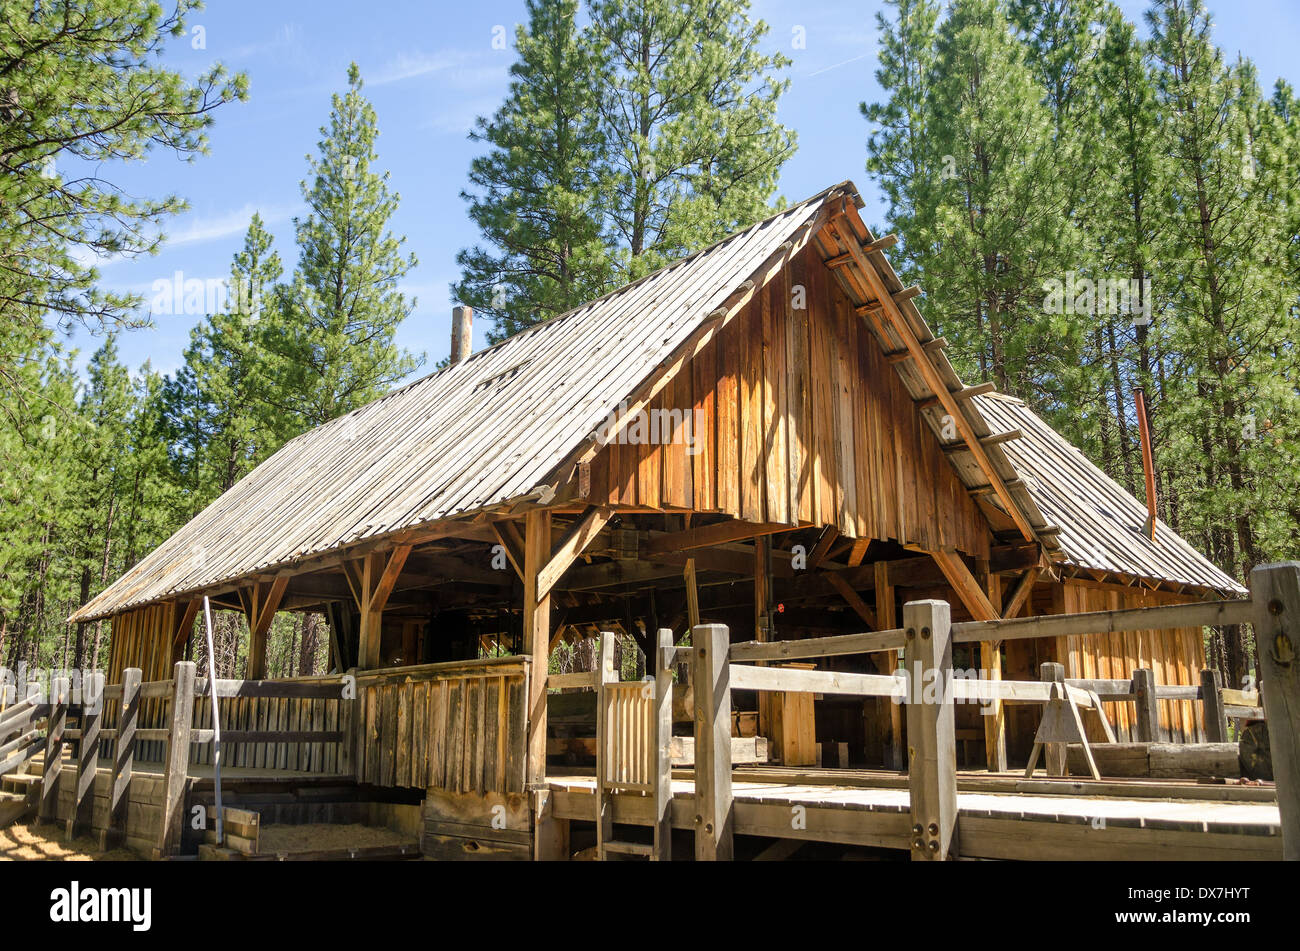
column 503, row 426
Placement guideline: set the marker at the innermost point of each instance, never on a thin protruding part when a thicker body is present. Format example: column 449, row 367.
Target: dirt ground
column 310, row 838
column 32, row 843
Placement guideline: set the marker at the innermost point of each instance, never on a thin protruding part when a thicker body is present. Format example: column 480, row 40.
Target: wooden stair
column 19, row 795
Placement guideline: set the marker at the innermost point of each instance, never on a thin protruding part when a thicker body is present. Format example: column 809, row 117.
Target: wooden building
column 764, row 434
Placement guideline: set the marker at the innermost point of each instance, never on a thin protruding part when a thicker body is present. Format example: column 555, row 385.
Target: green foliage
column 1084, row 158
column 81, row 87
column 329, row 341
column 539, row 204
column 648, row 134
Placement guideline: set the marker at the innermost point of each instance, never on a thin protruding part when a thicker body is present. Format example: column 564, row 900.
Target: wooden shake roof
column 507, row 425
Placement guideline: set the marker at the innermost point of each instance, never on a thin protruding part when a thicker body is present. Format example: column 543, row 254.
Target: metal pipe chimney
column 462, row 333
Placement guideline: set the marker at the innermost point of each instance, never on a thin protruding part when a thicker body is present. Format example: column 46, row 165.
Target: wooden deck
column 1238, row 823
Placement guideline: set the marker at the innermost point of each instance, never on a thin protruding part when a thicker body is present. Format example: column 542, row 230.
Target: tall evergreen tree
column 217, row 403
column 690, row 117
column 1000, row 216
column 81, row 81
column 898, row 154
column 332, row 347
column 541, row 184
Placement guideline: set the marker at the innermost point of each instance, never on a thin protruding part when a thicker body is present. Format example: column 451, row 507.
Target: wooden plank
column 1214, row 717
column 56, row 723
column 1275, row 592
column 83, row 800
column 537, row 637
column 663, row 735
column 714, row 809
column 851, row 597
column 1147, row 711
column 580, row 534
column 786, row 679
column 931, row 734
column 178, row 757
column 1207, row 614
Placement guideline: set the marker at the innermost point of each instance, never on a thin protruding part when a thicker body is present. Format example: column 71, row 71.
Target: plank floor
column 990, row 825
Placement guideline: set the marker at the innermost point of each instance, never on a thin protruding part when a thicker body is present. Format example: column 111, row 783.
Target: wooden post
column 349, row 725
column 995, row 731
column 1214, row 716
column 714, row 819
column 663, row 795
column 123, row 759
column 1050, row 671
column 1148, row 711
column 1275, row 590
column 176, row 769
column 931, row 729
column 892, row 722
column 537, row 638
column 55, row 725
column 605, row 674
column 83, row 798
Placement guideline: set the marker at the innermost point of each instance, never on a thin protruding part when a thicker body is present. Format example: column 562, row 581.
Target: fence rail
column 927, row 638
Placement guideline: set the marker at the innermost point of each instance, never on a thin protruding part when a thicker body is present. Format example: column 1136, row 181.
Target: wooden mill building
column 765, row 434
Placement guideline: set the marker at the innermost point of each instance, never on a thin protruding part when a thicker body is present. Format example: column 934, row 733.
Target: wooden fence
column 455, row 726
column 927, row 637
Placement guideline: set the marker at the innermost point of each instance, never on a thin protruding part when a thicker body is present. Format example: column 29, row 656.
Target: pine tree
column 690, row 116
column 216, row 405
column 332, row 340
column 1000, row 215
column 540, row 186
column 82, row 82
column 898, row 155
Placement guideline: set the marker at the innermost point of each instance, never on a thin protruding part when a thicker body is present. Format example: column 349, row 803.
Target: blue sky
column 430, row 68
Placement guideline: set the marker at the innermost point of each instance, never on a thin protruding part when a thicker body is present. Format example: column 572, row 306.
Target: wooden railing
column 458, row 726
column 927, row 637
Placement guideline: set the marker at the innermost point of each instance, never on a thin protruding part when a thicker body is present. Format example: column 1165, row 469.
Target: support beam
column 513, row 545
column 1020, row 593
column 931, row 732
column 714, row 813
column 965, row 586
column 263, row 601
column 378, row 576
column 994, row 715
column 853, row 599
column 886, row 617
column 707, row 535
column 1147, row 710
column 575, row 541
column 537, row 638
column 184, row 628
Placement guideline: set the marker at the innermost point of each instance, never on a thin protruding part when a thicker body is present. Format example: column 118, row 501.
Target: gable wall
column 802, row 417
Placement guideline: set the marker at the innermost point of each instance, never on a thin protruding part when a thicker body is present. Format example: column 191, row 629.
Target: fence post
column 663, row 753
column 931, row 729
column 1147, row 723
column 349, row 725
column 605, row 674
column 56, row 722
column 714, row 817
column 178, row 758
column 1213, row 714
column 1055, row 753
column 1275, row 590
column 123, row 759
column 83, row 798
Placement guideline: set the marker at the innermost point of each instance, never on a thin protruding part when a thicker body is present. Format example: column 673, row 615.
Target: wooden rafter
column 965, row 585
column 853, row 598
column 511, row 542
column 873, row 286
column 707, row 535
column 1020, row 593
column 263, row 600
column 378, row 574
column 574, row 542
